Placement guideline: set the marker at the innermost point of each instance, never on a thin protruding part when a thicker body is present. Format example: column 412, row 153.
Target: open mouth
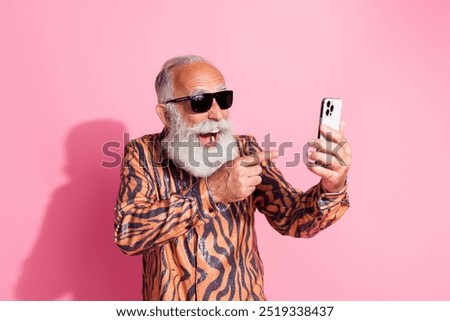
column 209, row 139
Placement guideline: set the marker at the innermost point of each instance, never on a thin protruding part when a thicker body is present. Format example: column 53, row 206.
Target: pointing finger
column 259, row 157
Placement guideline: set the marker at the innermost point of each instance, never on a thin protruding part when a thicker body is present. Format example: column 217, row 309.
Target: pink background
column 76, row 74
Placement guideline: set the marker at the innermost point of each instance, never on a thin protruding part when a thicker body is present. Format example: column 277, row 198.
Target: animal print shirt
column 194, row 249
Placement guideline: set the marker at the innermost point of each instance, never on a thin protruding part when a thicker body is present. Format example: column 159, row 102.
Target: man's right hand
column 237, row 179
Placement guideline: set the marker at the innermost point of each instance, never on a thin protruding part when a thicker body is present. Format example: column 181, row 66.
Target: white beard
column 184, row 148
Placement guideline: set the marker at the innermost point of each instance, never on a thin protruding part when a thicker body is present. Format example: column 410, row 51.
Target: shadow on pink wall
column 75, row 255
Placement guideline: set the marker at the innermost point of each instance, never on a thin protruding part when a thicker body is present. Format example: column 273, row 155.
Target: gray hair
column 164, row 81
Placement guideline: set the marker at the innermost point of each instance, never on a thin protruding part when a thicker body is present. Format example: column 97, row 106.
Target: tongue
column 204, row 139
column 207, row 139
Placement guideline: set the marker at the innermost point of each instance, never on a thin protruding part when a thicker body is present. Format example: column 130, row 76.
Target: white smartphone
column 330, row 114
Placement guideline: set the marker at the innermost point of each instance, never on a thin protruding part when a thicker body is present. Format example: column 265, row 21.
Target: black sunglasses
column 201, row 103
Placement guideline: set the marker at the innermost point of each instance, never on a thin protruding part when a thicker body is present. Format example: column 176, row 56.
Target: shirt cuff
column 327, row 199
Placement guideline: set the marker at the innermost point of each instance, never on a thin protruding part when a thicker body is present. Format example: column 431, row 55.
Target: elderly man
column 188, row 195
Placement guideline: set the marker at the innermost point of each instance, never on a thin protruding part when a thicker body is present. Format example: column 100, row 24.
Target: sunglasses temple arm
column 177, row 100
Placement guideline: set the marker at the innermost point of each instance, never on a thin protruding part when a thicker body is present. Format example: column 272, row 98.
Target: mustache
column 208, row 126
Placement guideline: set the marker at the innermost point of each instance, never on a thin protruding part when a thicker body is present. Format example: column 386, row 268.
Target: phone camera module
column 330, row 108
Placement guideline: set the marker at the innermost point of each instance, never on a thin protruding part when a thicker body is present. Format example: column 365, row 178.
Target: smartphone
column 330, row 114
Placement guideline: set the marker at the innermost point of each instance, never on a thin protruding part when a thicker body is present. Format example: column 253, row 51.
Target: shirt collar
column 160, row 154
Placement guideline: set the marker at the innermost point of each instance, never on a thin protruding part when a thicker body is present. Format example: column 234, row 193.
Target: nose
column 215, row 113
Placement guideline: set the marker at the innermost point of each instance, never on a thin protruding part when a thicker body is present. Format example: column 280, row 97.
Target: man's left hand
column 331, row 158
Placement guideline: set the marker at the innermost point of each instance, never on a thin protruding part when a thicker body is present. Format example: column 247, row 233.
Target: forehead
column 197, row 77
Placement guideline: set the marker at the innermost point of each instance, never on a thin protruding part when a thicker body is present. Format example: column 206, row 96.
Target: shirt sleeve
column 291, row 211
column 143, row 220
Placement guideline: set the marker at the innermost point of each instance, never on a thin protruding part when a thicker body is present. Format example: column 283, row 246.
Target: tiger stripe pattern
column 194, row 249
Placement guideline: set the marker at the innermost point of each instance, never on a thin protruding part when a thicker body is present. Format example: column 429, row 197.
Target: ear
column 163, row 114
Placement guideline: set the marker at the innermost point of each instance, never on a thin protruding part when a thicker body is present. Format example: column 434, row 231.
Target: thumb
column 342, row 126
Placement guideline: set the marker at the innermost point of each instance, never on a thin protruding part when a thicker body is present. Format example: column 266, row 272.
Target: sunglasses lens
column 224, row 99
column 201, row 103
